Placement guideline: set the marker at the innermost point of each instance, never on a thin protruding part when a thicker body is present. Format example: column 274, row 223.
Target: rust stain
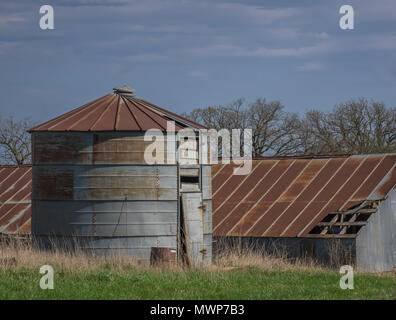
column 15, row 204
column 53, row 183
column 289, row 204
column 260, row 199
column 387, row 183
column 116, row 112
column 53, row 148
column 286, row 197
column 116, row 149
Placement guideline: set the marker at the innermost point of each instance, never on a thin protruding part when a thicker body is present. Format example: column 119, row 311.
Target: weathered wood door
column 193, row 227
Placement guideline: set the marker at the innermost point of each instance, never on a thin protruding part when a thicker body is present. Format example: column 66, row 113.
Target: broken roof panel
column 289, row 196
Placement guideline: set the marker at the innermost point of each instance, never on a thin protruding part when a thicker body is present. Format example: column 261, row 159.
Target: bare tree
column 231, row 116
column 356, row 126
column 15, row 147
column 273, row 129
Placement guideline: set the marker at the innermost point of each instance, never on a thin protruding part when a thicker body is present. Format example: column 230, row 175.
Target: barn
column 312, row 206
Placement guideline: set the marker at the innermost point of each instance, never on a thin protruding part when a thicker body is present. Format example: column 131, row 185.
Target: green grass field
column 238, row 283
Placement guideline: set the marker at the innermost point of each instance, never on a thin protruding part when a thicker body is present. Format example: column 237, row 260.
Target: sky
column 182, row 54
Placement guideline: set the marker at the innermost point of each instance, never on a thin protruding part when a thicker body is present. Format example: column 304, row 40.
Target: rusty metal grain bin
column 92, row 187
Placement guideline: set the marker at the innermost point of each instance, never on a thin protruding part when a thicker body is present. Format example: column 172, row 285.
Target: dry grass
column 339, row 255
column 20, row 254
column 28, row 256
column 237, row 254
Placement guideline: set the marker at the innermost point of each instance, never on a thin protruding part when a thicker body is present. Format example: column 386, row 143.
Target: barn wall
column 376, row 243
column 327, row 252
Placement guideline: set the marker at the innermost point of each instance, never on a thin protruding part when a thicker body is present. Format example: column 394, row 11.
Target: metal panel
column 193, row 227
column 53, row 183
column 127, row 148
column 61, row 148
column 263, row 197
column 227, row 213
column 125, row 182
column 15, row 188
column 107, row 219
column 207, row 216
column 189, row 172
column 207, row 257
column 206, row 183
column 376, row 243
column 96, row 148
column 288, row 196
column 275, row 196
column 385, row 163
column 116, row 112
column 103, row 194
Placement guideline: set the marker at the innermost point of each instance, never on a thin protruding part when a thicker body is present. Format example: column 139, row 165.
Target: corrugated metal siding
column 376, row 243
column 15, row 204
column 287, row 197
column 102, row 188
column 303, row 202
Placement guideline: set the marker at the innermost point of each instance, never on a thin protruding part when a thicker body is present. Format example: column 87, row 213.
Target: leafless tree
column 219, row 117
column 15, row 147
column 357, row 126
column 272, row 128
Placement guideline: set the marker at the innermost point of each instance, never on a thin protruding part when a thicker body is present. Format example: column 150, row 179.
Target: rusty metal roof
column 117, row 111
column 15, row 205
column 288, row 197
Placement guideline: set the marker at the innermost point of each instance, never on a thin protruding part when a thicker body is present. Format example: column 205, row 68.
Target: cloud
column 282, row 52
column 258, row 13
column 261, row 52
column 311, row 66
column 10, row 19
column 5, row 46
column 384, row 10
column 77, row 3
column 145, row 57
column 196, row 73
column 378, row 42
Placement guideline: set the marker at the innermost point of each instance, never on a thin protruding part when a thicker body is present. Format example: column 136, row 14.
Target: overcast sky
column 183, row 54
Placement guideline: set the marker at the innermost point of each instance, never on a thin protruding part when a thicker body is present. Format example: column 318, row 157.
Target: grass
column 239, row 283
column 233, row 276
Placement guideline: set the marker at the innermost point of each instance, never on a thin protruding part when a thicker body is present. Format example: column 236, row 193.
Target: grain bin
column 92, row 186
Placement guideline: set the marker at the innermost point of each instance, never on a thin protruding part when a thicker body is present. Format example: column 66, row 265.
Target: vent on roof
column 124, row 90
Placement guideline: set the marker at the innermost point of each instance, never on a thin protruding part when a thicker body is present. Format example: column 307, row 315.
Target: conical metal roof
column 121, row 110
